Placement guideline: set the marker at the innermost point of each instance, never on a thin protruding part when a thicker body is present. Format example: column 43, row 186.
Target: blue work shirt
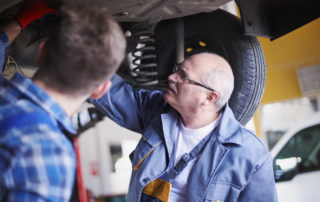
column 37, row 161
column 235, row 167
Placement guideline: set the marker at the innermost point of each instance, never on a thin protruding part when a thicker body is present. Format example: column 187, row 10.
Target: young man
column 192, row 147
column 37, row 161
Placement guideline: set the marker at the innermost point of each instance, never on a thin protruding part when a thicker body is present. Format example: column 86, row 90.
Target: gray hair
column 222, row 82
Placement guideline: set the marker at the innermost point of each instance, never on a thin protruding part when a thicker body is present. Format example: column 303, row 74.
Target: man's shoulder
column 23, row 115
column 21, row 108
column 7, row 91
column 250, row 138
column 24, row 126
column 253, row 148
column 234, row 132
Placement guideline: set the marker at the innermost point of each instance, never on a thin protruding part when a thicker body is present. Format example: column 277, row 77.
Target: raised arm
column 30, row 10
column 128, row 107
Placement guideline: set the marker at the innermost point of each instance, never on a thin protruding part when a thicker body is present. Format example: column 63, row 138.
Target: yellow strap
column 159, row 189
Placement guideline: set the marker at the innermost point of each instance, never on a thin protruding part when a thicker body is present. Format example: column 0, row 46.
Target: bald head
column 216, row 73
column 210, row 61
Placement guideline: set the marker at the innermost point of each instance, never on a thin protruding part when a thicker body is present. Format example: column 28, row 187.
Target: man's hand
column 33, row 10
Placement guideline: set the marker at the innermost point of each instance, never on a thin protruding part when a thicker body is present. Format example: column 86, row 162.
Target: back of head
column 85, row 50
column 219, row 77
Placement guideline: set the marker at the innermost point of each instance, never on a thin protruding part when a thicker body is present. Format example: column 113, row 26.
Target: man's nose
column 174, row 77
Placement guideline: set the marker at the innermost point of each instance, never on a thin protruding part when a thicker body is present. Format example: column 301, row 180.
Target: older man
column 37, row 160
column 192, row 147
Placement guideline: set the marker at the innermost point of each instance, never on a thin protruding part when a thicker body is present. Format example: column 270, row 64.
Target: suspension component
column 180, row 40
column 144, row 71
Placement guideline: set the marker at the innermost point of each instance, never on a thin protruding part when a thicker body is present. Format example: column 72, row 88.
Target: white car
column 297, row 162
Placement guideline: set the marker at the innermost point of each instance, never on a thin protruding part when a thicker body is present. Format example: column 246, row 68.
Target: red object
column 32, row 10
column 82, row 193
column 94, row 167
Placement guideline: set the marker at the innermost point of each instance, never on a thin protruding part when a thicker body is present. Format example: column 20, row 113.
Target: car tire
column 219, row 32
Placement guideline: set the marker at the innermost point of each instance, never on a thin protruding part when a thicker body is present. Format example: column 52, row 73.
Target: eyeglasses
column 177, row 69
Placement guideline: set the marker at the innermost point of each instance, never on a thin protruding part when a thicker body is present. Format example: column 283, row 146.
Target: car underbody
column 162, row 32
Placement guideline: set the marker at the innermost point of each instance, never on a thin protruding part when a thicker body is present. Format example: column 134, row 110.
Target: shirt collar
column 42, row 99
column 203, row 130
column 229, row 129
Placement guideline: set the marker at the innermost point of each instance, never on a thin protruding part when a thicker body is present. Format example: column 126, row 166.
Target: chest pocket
column 147, row 144
column 222, row 192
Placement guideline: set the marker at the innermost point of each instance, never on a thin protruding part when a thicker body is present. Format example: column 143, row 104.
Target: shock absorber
column 144, row 58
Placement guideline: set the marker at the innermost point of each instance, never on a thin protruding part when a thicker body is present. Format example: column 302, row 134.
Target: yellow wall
column 300, row 48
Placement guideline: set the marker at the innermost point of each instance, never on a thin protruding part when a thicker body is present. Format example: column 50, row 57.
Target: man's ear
column 212, row 97
column 101, row 90
column 40, row 52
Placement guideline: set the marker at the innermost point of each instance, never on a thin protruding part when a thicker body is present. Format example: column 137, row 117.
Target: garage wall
column 300, row 48
column 96, row 158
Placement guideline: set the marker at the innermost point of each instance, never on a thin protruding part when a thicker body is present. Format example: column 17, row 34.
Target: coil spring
column 144, row 56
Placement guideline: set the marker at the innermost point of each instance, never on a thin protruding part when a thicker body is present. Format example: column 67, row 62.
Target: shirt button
column 144, row 139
